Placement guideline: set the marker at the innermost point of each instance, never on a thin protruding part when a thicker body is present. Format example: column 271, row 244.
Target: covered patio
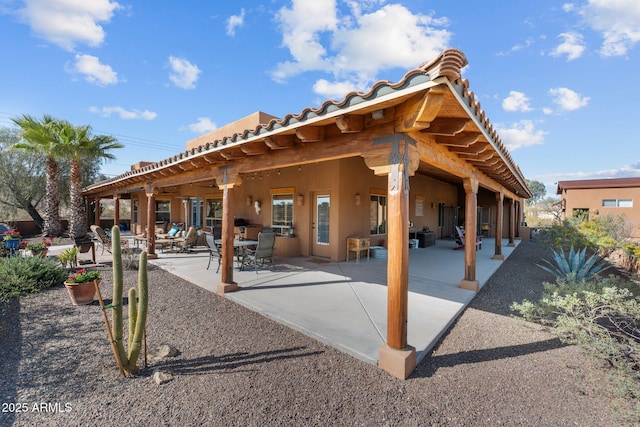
column 344, row 304
column 416, row 155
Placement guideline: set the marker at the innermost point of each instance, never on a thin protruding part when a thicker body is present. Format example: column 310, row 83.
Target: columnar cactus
column 137, row 314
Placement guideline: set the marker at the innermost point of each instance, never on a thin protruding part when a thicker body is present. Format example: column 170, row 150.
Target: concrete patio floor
column 344, row 304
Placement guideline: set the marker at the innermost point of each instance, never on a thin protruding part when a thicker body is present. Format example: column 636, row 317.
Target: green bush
column 24, row 275
column 602, row 316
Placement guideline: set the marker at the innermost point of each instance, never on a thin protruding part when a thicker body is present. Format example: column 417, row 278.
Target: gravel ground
column 236, row 367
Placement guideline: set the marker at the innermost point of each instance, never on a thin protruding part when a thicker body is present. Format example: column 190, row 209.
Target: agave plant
column 577, row 266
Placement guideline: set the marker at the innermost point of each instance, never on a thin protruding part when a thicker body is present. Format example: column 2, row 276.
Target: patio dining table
column 240, row 245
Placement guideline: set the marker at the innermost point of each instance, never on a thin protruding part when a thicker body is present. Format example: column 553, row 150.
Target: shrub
column 24, row 275
column 577, row 266
column 602, row 316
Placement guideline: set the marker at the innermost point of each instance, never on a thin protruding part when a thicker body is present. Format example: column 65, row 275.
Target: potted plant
column 12, row 240
column 40, row 248
column 81, row 286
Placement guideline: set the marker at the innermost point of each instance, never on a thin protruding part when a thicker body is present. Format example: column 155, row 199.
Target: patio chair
column 101, row 237
column 214, row 249
column 187, row 242
column 460, row 239
column 84, row 245
column 262, row 253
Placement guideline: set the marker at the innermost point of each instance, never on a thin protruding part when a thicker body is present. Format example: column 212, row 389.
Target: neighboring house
column 418, row 151
column 591, row 197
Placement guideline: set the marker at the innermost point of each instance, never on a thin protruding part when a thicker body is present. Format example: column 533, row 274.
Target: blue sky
column 557, row 80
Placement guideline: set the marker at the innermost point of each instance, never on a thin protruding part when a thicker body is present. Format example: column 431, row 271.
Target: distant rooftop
column 598, row 183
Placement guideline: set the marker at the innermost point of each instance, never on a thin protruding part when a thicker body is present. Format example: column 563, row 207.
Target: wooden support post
column 470, row 236
column 228, row 181
column 151, row 222
column 116, row 210
column 97, row 213
column 512, row 223
column 499, row 226
column 396, row 356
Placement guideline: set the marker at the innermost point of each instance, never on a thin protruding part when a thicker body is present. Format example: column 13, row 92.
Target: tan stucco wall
column 591, row 198
column 343, row 179
column 249, row 122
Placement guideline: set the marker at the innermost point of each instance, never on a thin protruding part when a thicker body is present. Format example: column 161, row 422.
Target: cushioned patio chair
column 214, row 249
column 186, row 243
column 262, row 253
column 101, row 237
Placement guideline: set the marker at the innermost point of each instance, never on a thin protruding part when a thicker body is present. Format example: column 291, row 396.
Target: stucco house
column 417, row 152
column 589, row 197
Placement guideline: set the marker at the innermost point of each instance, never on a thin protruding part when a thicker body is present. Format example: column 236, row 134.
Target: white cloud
column 618, row 21
column 184, row 74
column 320, row 41
column 520, row 134
column 568, row 7
column 516, row 101
column 203, row 125
column 124, row 114
column 69, row 22
column 567, row 99
column 93, row 71
column 234, row 22
column 333, row 90
column 572, row 46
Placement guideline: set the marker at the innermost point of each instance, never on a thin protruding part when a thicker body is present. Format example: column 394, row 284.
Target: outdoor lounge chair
column 187, row 242
column 263, row 251
column 101, row 237
column 214, row 249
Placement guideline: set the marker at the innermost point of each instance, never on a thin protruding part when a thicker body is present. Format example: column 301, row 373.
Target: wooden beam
column 232, row 153
column 418, row 112
column 350, row 123
column 254, row 148
column 474, row 149
column 449, row 126
column 311, row 133
column 462, row 139
column 278, row 142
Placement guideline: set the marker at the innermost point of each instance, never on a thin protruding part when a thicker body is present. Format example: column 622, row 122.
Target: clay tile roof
column 447, row 64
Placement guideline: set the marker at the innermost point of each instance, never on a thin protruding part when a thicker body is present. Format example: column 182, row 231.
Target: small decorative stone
column 161, row 377
column 161, row 352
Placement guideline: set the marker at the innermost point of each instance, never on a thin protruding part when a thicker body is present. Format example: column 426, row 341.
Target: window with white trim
column 378, row 214
column 617, row 203
column 163, row 210
column 282, row 210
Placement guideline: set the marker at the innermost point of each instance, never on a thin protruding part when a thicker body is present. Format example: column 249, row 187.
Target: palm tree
column 78, row 144
column 42, row 136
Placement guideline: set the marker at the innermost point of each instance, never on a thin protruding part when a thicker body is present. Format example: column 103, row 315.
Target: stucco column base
column 399, row 363
column 223, row 288
column 470, row 285
column 511, row 245
column 499, row 257
column 152, row 256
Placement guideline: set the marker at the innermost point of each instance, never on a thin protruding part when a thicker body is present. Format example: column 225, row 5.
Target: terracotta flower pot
column 82, row 293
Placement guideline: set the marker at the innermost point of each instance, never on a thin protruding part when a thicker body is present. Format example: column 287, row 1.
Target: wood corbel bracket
column 227, row 177
column 418, row 113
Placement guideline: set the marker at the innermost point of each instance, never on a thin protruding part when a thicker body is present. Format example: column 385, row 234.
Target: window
column 617, row 203
column 214, row 212
column 378, row 214
column 134, row 211
column 281, row 210
column 163, row 210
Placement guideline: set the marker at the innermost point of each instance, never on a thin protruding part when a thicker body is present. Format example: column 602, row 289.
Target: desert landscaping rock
column 238, row 368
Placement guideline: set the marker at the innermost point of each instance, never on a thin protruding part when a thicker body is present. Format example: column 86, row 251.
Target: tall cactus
column 137, row 314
